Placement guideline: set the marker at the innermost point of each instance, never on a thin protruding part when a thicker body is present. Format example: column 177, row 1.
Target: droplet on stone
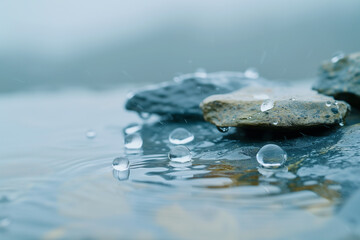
column 133, row 141
column 121, row 163
column 180, row 136
column 341, row 124
column 292, row 99
column 251, row 73
column 90, row 134
column 180, row 154
column 144, row 115
column 337, row 56
column 271, row 156
column 328, row 104
column 267, row 105
column 132, row 128
column 223, row 129
column 200, row 73
column 276, row 122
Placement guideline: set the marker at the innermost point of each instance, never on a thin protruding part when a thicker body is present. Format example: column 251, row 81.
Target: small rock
column 183, row 96
column 341, row 79
column 283, row 107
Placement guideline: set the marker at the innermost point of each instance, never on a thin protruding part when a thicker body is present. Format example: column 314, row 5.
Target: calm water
column 57, row 183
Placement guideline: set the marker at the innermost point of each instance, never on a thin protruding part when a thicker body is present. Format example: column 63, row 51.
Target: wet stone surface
column 340, row 77
column 276, row 107
column 182, row 96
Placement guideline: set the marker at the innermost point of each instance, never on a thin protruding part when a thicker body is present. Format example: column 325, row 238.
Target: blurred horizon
column 102, row 44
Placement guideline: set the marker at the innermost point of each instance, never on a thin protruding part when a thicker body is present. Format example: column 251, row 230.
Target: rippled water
column 57, row 183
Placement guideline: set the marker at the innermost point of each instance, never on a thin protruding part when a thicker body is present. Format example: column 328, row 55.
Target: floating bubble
column 337, row 56
column 180, row 136
column 271, row 156
column 133, row 141
column 267, row 105
column 180, row 154
column 251, row 73
column 132, row 128
column 121, row 163
column 90, row 134
column 223, row 129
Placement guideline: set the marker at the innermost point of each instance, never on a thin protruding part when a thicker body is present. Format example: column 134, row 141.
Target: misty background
column 101, row 44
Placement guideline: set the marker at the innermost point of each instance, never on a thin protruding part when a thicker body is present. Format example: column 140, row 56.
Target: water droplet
column 292, row 99
column 121, row 175
column 90, row 134
column 180, row 136
column 276, row 122
column 223, row 129
column 341, row 124
column 4, row 222
column 251, row 73
column 267, row 105
column 328, row 104
column 144, row 115
column 200, row 73
column 249, row 117
column 337, row 56
column 133, row 141
column 271, row 156
column 132, row 128
column 121, row 163
column 180, row 154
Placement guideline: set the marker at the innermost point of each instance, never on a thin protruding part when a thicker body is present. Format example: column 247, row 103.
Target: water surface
column 56, row 183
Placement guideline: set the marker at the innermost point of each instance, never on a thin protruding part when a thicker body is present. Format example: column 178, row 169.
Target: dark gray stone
column 341, row 78
column 183, row 96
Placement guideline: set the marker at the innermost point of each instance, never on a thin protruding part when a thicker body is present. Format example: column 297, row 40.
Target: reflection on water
column 69, row 188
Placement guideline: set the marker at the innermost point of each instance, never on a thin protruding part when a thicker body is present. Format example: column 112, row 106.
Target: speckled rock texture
column 276, row 107
column 340, row 77
column 182, row 96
